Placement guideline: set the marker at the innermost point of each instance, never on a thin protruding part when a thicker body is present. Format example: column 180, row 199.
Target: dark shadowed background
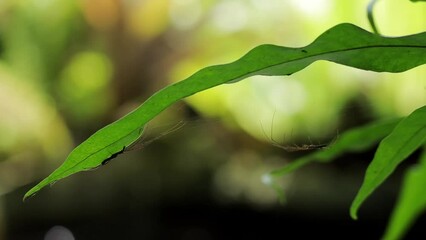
column 68, row 68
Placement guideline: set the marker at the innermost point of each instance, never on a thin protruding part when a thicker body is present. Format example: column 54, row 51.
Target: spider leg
column 141, row 143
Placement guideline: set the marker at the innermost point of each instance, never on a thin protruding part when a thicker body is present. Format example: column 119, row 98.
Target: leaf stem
column 371, row 17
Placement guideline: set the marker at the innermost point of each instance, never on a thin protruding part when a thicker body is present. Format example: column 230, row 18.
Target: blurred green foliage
column 69, row 67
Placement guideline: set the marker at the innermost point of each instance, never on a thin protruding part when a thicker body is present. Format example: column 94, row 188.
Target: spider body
column 297, row 148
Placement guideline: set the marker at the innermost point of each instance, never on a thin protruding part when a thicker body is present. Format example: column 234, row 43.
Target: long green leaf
column 344, row 44
column 354, row 140
column 411, row 202
column 407, row 136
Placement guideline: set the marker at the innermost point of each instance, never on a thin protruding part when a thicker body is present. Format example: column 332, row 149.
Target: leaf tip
column 29, row 194
column 354, row 216
column 354, row 212
column 34, row 190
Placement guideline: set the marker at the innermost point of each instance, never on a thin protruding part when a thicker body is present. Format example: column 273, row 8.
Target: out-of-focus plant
column 344, row 44
column 35, row 40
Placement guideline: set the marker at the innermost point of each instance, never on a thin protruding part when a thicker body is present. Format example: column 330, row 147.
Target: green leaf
column 407, row 136
column 345, row 44
column 354, row 140
column 418, row 0
column 91, row 155
column 411, row 202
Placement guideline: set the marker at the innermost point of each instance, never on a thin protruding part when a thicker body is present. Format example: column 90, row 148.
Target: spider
column 297, row 148
column 294, row 147
column 139, row 144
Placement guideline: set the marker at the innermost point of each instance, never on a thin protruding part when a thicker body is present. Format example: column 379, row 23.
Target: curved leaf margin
column 411, row 201
column 408, row 136
column 345, row 44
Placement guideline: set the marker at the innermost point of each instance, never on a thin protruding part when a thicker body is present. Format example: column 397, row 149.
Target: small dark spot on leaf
column 304, row 51
column 104, row 162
